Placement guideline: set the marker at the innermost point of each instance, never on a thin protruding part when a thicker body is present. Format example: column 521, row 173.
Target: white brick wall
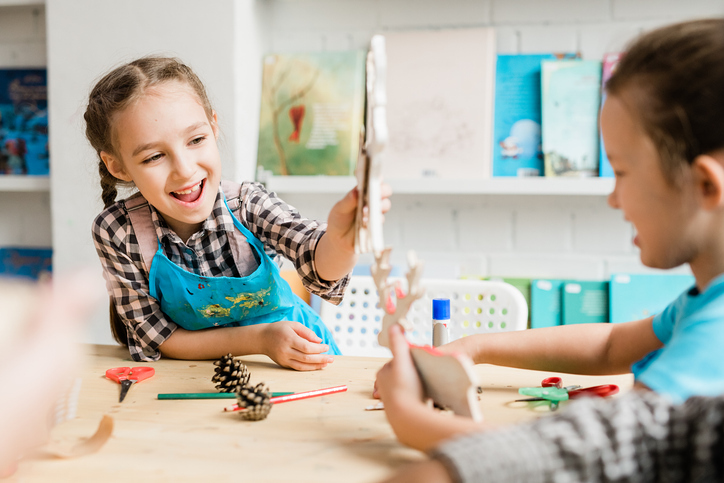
column 517, row 236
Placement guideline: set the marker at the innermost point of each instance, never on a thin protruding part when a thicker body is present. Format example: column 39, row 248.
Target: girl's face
column 167, row 146
column 663, row 215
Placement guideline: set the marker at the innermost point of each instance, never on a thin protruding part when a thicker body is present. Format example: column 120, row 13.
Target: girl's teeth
column 185, row 192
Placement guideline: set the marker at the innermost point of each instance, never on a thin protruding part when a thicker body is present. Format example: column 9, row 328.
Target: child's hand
column 291, row 344
column 341, row 221
column 398, row 383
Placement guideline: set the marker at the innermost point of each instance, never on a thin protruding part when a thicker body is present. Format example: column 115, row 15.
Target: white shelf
column 494, row 186
column 20, row 3
column 24, row 183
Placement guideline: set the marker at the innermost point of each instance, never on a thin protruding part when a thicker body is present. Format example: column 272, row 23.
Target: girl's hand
column 291, row 344
column 398, row 383
column 341, row 220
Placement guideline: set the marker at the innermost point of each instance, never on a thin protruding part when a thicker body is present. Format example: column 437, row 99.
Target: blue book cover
column 517, row 124
column 24, row 122
column 635, row 297
column 584, row 302
column 571, row 96
column 609, row 65
column 545, row 303
column 25, row 262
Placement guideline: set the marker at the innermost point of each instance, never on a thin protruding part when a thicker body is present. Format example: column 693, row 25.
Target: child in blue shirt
column 663, row 130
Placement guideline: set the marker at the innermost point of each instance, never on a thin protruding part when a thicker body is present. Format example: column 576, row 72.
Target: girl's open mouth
column 190, row 195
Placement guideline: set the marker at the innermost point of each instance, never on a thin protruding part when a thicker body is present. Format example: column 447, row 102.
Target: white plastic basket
column 476, row 307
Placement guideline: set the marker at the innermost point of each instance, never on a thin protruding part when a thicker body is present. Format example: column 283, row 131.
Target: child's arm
column 415, row 423
column 577, row 349
column 289, row 344
column 637, row 437
column 335, row 256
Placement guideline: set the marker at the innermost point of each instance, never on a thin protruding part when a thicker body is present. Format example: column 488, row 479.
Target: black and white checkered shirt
column 277, row 225
column 639, row 437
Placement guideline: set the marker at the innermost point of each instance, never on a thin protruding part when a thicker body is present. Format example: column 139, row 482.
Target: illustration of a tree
column 278, row 107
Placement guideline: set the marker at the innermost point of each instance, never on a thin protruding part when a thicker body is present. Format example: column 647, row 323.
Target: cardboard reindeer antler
column 448, row 379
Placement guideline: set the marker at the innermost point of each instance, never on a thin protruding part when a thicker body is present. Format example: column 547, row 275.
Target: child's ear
column 215, row 124
column 114, row 166
column 708, row 172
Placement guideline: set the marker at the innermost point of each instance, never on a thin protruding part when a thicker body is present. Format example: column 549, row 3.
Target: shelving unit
column 11, row 183
column 493, row 186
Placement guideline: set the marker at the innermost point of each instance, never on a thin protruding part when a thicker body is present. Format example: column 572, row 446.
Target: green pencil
column 209, row 395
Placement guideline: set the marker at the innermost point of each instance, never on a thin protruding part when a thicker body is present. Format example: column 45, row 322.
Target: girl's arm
column 415, row 423
column 289, row 344
column 335, row 256
column 578, row 349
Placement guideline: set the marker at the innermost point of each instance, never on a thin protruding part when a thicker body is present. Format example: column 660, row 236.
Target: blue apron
column 195, row 302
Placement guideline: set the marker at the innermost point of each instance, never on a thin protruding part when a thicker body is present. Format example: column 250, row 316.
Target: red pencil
column 296, row 396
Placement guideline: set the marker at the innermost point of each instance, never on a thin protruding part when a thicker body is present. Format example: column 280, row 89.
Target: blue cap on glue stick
column 440, row 309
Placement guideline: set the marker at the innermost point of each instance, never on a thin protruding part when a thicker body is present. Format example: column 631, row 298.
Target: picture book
column 25, row 262
column 571, row 95
column 439, row 104
column 609, row 65
column 634, row 297
column 517, row 149
column 24, row 122
column 312, row 110
column 584, row 302
column 545, row 303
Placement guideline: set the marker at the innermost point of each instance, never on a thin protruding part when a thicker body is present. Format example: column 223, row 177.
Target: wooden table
column 323, row 439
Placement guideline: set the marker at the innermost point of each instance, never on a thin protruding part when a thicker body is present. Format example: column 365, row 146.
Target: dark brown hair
column 113, row 93
column 673, row 80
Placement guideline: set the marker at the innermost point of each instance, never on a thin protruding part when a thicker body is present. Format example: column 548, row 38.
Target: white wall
column 86, row 38
column 493, row 235
column 535, row 236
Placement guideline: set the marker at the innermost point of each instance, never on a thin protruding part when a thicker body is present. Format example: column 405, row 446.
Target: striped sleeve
column 127, row 284
column 639, row 437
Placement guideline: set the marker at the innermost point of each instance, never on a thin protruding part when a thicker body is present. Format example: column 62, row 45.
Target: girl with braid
column 189, row 259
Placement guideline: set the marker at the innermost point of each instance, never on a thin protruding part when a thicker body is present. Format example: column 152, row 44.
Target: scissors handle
column 597, row 391
column 137, row 374
column 554, row 381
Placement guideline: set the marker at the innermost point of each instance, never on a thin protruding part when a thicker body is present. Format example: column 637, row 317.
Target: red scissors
column 552, row 390
column 127, row 376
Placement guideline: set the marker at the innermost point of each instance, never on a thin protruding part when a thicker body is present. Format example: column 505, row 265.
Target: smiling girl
column 189, row 259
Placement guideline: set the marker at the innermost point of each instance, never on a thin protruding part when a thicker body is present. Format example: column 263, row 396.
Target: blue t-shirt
column 691, row 363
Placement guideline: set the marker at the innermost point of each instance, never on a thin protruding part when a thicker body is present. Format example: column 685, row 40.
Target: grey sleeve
column 639, row 437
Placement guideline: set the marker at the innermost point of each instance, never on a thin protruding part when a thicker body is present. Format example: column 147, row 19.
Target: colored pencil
column 210, row 395
column 296, row 396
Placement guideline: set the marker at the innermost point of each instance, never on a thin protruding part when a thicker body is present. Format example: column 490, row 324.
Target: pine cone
column 256, row 401
column 230, row 375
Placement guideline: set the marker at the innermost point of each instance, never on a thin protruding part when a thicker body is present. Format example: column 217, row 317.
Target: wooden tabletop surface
column 323, row 439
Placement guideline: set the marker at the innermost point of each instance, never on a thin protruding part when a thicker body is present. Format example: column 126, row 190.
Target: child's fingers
column 306, row 333
column 309, row 362
column 398, row 344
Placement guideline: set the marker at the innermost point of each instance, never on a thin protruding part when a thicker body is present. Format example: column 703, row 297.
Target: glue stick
column 440, row 320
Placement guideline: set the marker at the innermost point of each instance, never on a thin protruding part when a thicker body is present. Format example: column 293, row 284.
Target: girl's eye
column 197, row 140
column 152, row 158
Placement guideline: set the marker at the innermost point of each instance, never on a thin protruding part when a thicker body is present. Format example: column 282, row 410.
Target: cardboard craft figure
column 448, row 379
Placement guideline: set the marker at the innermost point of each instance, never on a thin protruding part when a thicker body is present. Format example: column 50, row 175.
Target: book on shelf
column 545, row 303
column 517, row 147
column 312, row 110
column 584, row 302
column 570, row 96
column 610, row 61
column 439, row 104
column 25, row 262
column 637, row 296
column 24, row 122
